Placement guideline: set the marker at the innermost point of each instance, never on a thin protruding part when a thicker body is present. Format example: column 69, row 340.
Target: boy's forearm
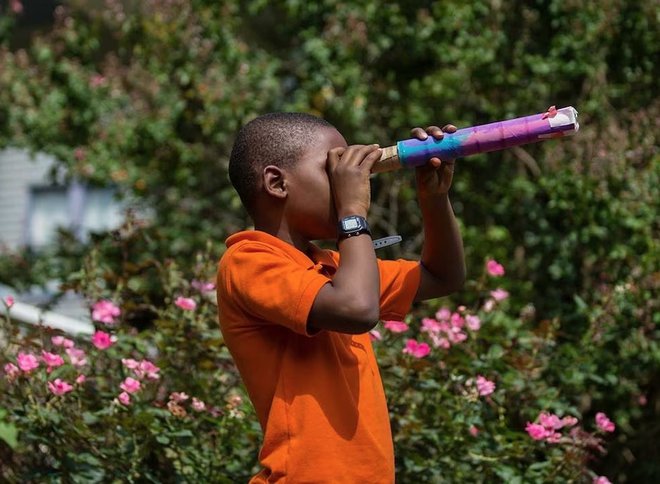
column 442, row 252
column 357, row 276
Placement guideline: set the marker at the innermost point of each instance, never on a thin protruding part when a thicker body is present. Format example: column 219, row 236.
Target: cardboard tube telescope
column 554, row 123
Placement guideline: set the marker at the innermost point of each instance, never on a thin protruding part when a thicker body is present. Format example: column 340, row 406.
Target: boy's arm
column 443, row 260
column 350, row 302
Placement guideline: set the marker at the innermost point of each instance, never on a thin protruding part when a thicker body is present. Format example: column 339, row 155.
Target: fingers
column 355, row 155
column 436, row 132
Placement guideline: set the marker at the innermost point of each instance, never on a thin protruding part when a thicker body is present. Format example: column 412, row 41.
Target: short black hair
column 271, row 139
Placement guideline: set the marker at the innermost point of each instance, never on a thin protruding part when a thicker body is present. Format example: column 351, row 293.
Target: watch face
column 350, row 224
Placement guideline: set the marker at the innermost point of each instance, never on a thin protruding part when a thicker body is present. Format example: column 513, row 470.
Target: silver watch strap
column 386, row 241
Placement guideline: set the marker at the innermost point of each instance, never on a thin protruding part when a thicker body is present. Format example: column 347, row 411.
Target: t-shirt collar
column 318, row 255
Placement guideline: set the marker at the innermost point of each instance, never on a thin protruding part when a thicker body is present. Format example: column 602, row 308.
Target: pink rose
column 9, row 301
column 499, row 294
column 198, row 405
column 16, row 6
column 440, row 342
column 130, row 385
column 11, row 371
column 375, row 335
column 124, row 398
column 105, row 312
column 604, row 423
column 536, row 431
column 550, row 421
column 27, row 362
column 473, row 322
column 59, row 387
column 81, row 379
column 430, row 325
column 202, row 286
column 76, row 356
column 130, row 363
column 396, row 326
column 474, row 431
column 569, row 421
column 179, row 397
column 147, row 368
column 96, row 80
column 601, row 480
column 103, row 340
column 489, row 305
column 62, row 341
column 484, row 386
column 416, row 349
column 186, row 303
column 494, row 268
column 52, row 360
column 443, row 314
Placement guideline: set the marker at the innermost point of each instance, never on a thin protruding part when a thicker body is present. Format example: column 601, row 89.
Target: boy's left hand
column 435, row 177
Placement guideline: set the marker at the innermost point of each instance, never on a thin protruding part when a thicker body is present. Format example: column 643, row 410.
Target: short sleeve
column 270, row 285
column 399, row 281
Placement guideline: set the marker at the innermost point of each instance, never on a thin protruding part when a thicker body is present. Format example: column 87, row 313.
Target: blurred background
column 117, row 120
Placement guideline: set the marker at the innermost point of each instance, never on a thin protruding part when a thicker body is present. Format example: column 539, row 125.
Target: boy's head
column 277, row 166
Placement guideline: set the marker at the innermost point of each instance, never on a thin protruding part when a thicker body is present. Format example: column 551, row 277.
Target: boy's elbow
column 364, row 316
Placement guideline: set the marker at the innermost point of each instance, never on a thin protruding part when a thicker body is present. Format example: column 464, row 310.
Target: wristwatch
column 351, row 226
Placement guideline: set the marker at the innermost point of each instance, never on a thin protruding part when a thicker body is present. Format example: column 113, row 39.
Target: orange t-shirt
column 319, row 398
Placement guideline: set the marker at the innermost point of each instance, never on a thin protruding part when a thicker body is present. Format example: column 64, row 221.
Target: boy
column 297, row 318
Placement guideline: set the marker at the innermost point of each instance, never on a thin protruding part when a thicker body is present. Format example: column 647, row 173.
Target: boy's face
column 310, row 208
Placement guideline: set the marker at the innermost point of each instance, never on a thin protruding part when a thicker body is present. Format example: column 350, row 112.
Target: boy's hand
column 435, row 177
column 349, row 169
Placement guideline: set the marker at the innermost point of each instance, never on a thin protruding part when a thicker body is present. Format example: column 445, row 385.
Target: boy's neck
column 282, row 232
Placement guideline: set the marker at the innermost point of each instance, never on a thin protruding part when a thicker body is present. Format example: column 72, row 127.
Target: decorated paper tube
column 555, row 123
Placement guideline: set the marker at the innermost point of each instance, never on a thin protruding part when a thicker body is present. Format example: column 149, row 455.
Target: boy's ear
column 274, row 181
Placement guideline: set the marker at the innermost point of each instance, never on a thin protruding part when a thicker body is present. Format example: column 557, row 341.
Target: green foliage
column 148, row 95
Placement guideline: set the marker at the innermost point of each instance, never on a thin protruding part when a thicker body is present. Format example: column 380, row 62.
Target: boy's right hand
column 349, row 169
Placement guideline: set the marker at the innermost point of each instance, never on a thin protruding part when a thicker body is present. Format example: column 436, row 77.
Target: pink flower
column 569, row 421
column 416, row 349
column 375, row 335
column 186, row 303
column 601, row 480
column 443, row 314
column 473, row 322
column 9, row 301
column 494, row 268
column 604, row 423
column 59, row 387
column 147, row 368
column 178, row 397
column 430, row 325
column 16, row 6
column 485, row 386
column 457, row 321
column 130, row 385
column 198, row 405
column 62, row 341
column 97, row 80
column 202, row 286
column 536, row 431
column 52, row 360
column 553, row 437
column 76, row 356
column 550, row 421
column 130, row 363
column 11, row 371
column 440, row 342
column 81, row 379
column 489, row 305
column 105, row 312
column 103, row 340
column 27, row 362
column 499, row 294
column 474, row 431
column 396, row 326
column 124, row 398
